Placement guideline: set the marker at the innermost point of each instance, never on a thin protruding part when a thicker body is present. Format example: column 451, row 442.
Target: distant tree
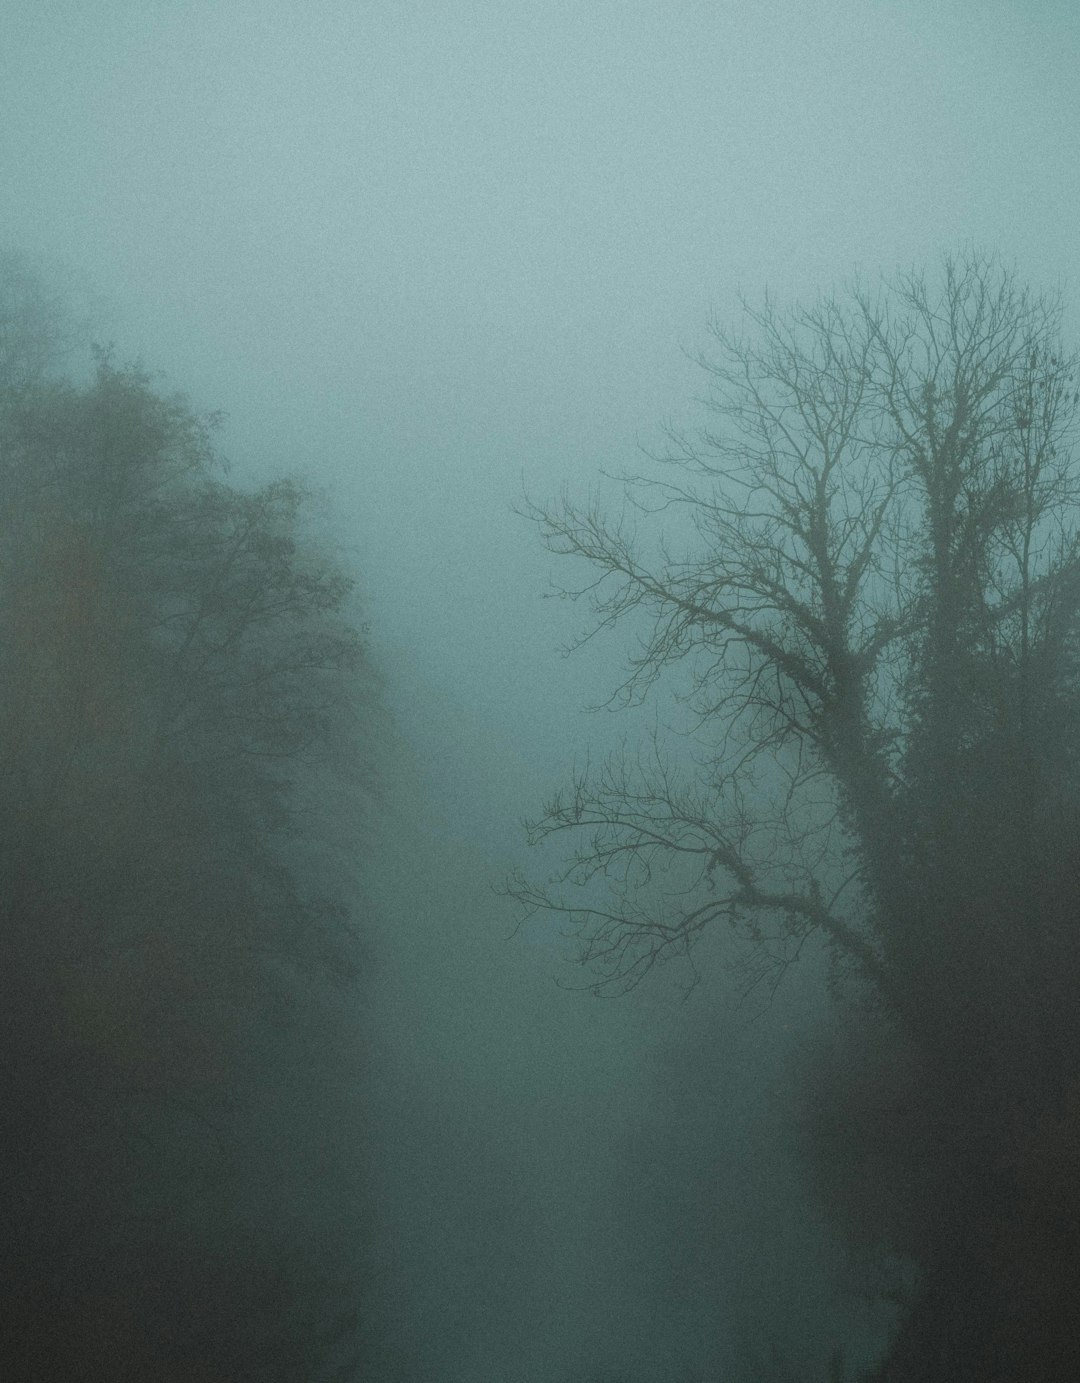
column 40, row 328
column 870, row 575
column 185, row 752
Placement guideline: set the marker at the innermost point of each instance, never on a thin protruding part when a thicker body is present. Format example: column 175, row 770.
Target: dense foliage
column 870, row 572
column 183, row 758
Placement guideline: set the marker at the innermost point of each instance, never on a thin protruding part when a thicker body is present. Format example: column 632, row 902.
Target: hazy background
column 427, row 254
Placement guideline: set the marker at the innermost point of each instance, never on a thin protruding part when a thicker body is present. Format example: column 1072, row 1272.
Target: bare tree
column 864, row 578
column 880, row 560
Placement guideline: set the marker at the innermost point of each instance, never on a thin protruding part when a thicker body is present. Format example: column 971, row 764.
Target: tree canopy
column 187, row 721
column 863, row 576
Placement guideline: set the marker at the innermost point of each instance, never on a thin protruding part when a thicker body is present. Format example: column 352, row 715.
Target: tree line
column 186, row 765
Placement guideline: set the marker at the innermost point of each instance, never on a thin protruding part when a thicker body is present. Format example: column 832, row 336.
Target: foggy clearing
column 539, row 610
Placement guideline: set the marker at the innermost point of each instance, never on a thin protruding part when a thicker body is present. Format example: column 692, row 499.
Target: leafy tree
column 185, row 751
column 869, row 576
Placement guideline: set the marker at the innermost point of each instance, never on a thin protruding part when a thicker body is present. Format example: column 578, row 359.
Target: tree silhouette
column 186, row 730
column 867, row 578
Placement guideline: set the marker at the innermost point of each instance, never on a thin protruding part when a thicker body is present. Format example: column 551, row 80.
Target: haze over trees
column 185, row 757
column 863, row 580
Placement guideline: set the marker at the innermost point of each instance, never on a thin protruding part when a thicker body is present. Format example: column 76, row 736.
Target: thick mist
column 438, row 260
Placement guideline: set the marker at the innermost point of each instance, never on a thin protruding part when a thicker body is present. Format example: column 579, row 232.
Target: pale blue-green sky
column 422, row 250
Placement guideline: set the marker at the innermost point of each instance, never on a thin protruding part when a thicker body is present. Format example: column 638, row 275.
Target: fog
column 434, row 258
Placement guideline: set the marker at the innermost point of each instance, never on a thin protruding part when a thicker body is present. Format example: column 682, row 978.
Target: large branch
column 642, row 827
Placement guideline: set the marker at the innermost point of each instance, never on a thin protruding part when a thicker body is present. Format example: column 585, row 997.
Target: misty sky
column 425, row 252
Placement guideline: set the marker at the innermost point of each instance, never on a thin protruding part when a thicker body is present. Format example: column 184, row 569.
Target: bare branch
column 855, row 564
